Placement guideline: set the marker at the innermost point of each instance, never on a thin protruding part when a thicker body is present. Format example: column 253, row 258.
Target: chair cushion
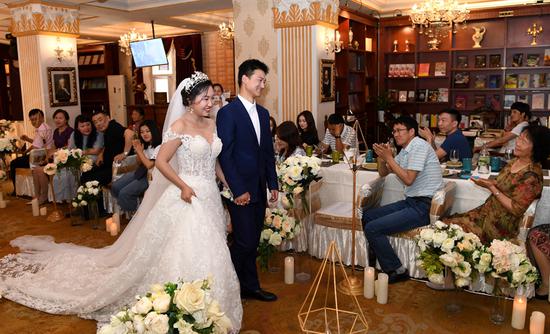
column 337, row 215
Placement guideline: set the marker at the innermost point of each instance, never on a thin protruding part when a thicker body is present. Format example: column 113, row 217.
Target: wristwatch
column 337, row 137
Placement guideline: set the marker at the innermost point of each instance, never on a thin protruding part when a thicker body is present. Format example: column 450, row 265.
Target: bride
column 177, row 233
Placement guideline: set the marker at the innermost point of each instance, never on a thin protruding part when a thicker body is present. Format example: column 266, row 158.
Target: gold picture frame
column 327, row 75
column 62, row 86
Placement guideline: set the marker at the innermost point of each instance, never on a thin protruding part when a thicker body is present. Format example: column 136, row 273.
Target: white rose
column 421, row 245
column 275, row 239
column 95, row 191
column 287, row 226
column 222, row 325
column 463, row 269
column 441, row 225
column 214, row 311
column 190, row 297
column 427, row 234
column 157, row 288
column 88, row 184
column 436, row 278
column 266, row 234
column 161, row 303
column 107, row 329
column 448, row 245
column 518, row 277
column 285, row 202
column 143, row 306
column 439, row 237
column 156, row 323
column 184, row 327
column 95, row 183
column 139, row 325
column 462, row 282
column 297, row 190
column 75, row 204
column 83, row 203
column 448, row 260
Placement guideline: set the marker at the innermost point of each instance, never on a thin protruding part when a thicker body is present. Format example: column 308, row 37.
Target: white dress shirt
column 253, row 114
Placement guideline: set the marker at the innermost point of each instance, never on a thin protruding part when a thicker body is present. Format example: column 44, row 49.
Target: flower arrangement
column 7, row 145
column 278, row 226
column 72, row 158
column 447, row 246
column 89, row 192
column 295, row 174
column 226, row 193
column 50, row 169
column 506, row 261
column 186, row 308
column 5, row 127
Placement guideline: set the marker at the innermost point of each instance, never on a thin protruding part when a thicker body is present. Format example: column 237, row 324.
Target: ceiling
column 105, row 20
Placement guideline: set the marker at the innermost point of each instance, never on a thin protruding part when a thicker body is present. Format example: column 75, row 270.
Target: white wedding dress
column 167, row 241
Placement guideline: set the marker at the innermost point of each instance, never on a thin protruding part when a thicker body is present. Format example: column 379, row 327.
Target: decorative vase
column 93, row 212
column 452, row 306
column 498, row 309
column 477, row 37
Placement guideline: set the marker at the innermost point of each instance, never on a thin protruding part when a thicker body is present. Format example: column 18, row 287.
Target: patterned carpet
column 412, row 307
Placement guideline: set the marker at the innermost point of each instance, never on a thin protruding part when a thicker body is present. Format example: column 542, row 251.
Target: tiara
column 192, row 81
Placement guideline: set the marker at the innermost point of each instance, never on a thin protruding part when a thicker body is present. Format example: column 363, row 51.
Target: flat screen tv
column 149, row 52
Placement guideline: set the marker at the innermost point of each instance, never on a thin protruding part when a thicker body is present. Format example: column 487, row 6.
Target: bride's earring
column 191, row 110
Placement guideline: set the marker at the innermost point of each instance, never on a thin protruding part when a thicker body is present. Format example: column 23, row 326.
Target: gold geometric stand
column 334, row 318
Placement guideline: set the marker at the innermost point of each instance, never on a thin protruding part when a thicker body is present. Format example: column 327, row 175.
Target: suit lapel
column 247, row 120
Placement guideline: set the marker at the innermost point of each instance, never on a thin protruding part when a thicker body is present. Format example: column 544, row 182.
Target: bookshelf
column 95, row 63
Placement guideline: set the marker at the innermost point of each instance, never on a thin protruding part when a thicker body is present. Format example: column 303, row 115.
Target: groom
column 248, row 162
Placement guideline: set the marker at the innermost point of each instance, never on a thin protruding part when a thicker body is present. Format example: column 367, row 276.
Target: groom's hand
column 274, row 195
column 244, row 199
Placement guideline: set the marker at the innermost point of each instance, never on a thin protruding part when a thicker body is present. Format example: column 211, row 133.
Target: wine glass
column 454, row 156
column 509, row 154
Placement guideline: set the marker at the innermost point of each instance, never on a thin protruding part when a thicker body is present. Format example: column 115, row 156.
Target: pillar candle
column 35, row 208
column 289, row 270
column 536, row 324
column 108, row 223
column 2, row 204
column 115, row 226
column 368, row 289
column 382, row 293
column 43, row 211
column 376, row 287
column 518, row 312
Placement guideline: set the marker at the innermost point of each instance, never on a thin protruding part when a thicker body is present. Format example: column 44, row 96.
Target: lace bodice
column 196, row 156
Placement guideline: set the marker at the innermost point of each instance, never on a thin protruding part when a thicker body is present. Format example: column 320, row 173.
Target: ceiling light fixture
column 131, row 36
column 226, row 30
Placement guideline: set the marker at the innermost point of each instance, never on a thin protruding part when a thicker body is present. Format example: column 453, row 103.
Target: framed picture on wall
column 62, row 86
column 326, row 81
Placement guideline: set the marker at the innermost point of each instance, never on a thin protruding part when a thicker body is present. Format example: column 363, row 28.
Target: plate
column 451, row 164
column 370, row 166
column 449, row 173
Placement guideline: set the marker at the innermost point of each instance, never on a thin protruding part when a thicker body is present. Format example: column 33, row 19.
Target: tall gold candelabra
column 534, row 31
column 56, row 215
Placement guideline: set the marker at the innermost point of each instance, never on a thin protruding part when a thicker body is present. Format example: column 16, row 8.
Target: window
column 164, row 76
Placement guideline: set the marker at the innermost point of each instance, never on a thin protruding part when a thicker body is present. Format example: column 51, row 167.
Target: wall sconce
column 226, row 31
column 61, row 53
column 333, row 45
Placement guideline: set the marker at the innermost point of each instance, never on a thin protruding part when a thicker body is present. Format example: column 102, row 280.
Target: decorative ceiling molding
column 35, row 17
column 293, row 13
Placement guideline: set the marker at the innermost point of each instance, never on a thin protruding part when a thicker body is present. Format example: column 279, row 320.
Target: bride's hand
column 187, row 193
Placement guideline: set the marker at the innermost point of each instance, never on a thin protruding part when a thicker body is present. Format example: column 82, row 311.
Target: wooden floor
column 412, row 307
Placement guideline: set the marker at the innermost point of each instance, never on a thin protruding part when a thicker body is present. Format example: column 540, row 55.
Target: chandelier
column 131, row 36
column 436, row 17
column 226, row 30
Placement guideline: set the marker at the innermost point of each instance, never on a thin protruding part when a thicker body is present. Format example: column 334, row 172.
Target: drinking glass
column 509, row 154
column 454, row 156
column 467, row 165
column 335, row 156
column 309, row 150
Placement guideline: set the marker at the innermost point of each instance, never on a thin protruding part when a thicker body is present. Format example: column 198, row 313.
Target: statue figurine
column 477, row 37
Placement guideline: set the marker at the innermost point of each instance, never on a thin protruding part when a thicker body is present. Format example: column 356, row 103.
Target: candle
column 368, row 289
column 108, row 223
column 43, row 211
column 536, row 324
column 376, row 288
column 518, row 312
column 289, row 270
column 2, row 204
column 1, row 196
column 382, row 292
column 35, row 208
column 115, row 225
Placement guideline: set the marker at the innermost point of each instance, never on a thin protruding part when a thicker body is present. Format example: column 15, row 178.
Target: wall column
column 41, row 28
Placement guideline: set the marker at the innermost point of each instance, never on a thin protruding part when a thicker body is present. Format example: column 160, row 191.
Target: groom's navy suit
column 248, row 167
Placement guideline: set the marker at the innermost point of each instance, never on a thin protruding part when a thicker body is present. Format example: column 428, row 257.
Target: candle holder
column 56, row 215
column 498, row 309
column 407, row 49
column 534, row 31
column 395, row 46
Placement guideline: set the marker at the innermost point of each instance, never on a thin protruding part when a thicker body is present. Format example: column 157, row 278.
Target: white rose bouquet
column 506, row 261
column 72, row 158
column 295, row 174
column 86, row 193
column 184, row 308
column 447, row 246
column 6, row 127
column 278, row 226
column 7, row 145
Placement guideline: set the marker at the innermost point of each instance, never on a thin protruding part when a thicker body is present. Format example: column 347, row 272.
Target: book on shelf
column 494, row 60
column 538, row 80
column 532, row 60
column 494, row 81
column 462, row 61
column 426, row 120
column 368, row 44
column 433, row 95
column 409, row 70
column 95, row 60
column 480, row 61
column 523, row 80
column 433, row 120
column 543, row 120
column 402, row 96
column 421, row 95
column 522, row 98
column 392, row 71
column 464, row 121
column 393, row 94
column 410, row 96
column 537, row 101
column 511, row 81
column 81, row 60
column 517, row 60
column 461, row 79
column 424, row 69
column 494, row 102
column 546, row 57
column 102, row 59
column 418, row 117
column 480, row 81
column 440, row 69
column 509, row 99
column 460, row 102
column 479, row 100
column 443, row 95
column 87, row 60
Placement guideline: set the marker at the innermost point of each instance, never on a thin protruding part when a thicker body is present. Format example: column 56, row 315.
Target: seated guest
column 287, row 141
column 43, row 138
column 417, row 167
column 515, row 187
column 538, row 246
column 520, row 114
column 132, row 185
column 448, row 122
column 62, row 131
column 137, row 116
column 117, row 142
column 307, row 129
column 338, row 135
column 218, row 100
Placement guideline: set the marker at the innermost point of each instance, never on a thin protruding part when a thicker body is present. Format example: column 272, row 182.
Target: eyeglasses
column 394, row 131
